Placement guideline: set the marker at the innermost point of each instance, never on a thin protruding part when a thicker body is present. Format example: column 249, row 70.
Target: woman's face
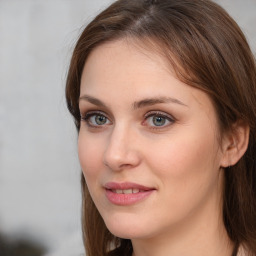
column 148, row 144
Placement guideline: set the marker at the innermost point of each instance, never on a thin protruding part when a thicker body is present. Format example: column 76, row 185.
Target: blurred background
column 39, row 170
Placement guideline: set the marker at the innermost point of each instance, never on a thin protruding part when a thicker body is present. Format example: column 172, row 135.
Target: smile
column 125, row 194
column 126, row 191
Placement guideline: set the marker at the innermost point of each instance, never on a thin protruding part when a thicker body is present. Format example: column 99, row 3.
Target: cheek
column 188, row 161
column 90, row 155
column 187, row 172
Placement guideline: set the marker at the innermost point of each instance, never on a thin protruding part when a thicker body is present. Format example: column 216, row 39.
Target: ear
column 235, row 143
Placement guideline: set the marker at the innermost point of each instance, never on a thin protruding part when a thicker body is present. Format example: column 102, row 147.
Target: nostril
column 121, row 163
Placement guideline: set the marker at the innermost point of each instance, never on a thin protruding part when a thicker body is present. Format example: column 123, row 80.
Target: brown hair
column 207, row 50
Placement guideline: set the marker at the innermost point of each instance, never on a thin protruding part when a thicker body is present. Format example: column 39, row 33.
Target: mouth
column 126, row 193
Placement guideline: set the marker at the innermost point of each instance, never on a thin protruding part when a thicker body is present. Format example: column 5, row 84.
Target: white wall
column 39, row 171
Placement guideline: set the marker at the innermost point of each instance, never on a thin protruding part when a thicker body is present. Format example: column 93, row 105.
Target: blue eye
column 98, row 119
column 95, row 119
column 159, row 119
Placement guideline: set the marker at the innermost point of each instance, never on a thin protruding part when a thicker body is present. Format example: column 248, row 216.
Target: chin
column 127, row 227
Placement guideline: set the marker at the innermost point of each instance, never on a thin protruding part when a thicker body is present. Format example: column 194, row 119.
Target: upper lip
column 126, row 185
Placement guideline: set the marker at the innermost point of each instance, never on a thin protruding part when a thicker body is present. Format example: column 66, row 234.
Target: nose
column 121, row 151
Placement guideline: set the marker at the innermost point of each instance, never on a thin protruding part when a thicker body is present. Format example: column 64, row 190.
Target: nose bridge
column 120, row 151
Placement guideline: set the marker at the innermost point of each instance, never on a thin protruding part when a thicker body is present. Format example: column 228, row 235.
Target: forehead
column 123, row 61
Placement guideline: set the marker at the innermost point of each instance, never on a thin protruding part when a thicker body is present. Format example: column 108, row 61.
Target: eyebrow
column 137, row 104
column 157, row 100
column 92, row 100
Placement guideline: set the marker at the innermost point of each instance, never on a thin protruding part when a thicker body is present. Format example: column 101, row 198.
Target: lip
column 124, row 199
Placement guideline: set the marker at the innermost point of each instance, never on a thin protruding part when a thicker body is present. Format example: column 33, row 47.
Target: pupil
column 100, row 120
column 158, row 121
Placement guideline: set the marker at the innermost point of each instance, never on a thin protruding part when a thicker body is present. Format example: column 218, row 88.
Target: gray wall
column 39, row 170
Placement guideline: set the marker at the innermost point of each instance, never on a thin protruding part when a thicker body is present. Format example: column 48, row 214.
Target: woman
column 163, row 94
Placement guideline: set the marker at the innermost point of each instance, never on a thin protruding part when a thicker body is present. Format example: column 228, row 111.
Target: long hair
column 207, row 50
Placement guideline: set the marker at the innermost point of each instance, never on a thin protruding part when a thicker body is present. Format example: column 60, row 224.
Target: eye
column 95, row 119
column 158, row 119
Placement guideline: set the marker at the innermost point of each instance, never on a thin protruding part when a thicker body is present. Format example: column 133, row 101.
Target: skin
column 181, row 158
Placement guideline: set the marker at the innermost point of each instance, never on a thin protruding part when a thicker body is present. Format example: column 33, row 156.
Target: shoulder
column 242, row 251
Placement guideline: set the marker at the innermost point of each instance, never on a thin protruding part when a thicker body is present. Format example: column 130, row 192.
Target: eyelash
column 160, row 114
column 90, row 114
column 148, row 115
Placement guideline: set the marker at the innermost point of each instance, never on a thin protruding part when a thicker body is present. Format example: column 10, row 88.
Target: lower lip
column 127, row 199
